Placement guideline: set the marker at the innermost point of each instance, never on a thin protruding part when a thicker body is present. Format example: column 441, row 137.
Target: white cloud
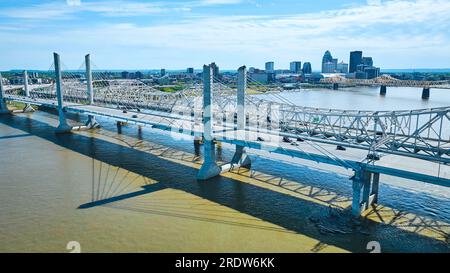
column 390, row 31
column 122, row 8
column 217, row 2
column 373, row 2
column 73, row 2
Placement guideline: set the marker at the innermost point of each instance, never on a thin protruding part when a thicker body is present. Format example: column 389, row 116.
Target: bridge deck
column 409, row 168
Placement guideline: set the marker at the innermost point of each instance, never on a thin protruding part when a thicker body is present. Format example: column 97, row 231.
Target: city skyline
column 151, row 35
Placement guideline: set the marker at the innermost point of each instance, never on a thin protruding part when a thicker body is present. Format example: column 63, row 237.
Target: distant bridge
column 385, row 81
column 214, row 112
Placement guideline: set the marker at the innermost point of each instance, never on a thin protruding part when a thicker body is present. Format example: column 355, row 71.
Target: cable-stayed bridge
column 215, row 112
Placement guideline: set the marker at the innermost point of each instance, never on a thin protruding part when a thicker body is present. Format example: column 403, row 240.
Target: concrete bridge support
column 426, row 93
column 240, row 157
column 91, row 122
column 26, row 88
column 365, row 190
column 383, row 90
column 63, row 126
column 3, row 107
column 209, row 168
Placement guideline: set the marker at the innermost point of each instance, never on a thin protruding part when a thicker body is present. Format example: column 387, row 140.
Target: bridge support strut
column 209, row 167
column 27, row 107
column 365, row 190
column 92, row 122
column 240, row 157
column 426, row 93
column 383, row 90
column 63, row 126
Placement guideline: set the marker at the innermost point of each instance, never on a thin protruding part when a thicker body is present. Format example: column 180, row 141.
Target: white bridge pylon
column 216, row 112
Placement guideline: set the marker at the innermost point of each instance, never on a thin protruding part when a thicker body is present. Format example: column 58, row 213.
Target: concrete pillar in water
column 240, row 157
column 426, row 93
column 209, row 168
column 375, row 186
column 366, row 184
column 63, row 127
column 365, row 190
column 27, row 107
column 91, row 122
column 119, row 127
column 383, row 90
column 3, row 107
column 357, row 186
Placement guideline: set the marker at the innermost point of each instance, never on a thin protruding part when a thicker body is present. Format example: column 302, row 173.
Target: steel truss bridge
column 385, row 81
column 215, row 112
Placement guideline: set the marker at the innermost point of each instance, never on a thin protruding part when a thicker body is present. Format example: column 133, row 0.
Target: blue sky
column 136, row 34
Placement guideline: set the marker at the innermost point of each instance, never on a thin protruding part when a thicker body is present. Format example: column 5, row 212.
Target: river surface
column 133, row 190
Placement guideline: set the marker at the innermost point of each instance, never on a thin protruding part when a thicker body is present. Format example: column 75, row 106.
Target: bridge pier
column 63, row 126
column 426, row 93
column 209, row 167
column 91, row 122
column 240, row 157
column 365, row 190
column 3, row 107
column 383, row 90
column 335, row 86
column 28, row 107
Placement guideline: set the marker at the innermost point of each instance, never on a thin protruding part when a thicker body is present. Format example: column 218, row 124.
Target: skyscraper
column 342, row 67
column 296, row 67
column 329, row 67
column 372, row 72
column 327, row 58
column 307, row 68
column 270, row 67
column 139, row 75
column 355, row 60
column 367, row 61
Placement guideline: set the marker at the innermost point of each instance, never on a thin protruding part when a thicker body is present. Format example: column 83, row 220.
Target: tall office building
column 296, row 67
column 329, row 67
column 355, row 60
column 270, row 67
column 372, row 72
column 190, row 70
column 334, row 61
column 163, row 72
column 342, row 67
column 367, row 61
column 327, row 58
column 139, row 75
column 307, row 68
